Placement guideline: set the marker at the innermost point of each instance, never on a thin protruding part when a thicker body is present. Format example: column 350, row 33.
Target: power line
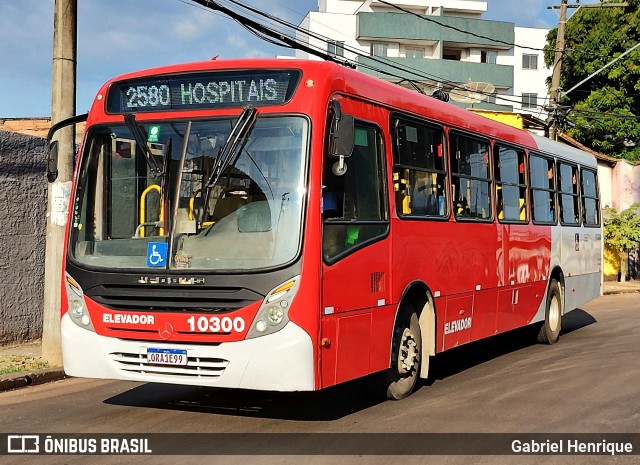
column 282, row 38
column 604, row 115
column 480, row 36
column 380, row 60
column 448, row 26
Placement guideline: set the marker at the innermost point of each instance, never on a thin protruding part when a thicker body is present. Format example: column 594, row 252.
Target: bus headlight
column 273, row 314
column 77, row 308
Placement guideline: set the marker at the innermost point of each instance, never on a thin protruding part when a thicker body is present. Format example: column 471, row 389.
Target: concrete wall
column 23, row 206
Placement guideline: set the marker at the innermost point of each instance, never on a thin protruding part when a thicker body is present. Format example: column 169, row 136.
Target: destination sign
column 209, row 90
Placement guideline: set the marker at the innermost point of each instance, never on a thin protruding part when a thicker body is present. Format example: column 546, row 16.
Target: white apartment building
column 436, row 51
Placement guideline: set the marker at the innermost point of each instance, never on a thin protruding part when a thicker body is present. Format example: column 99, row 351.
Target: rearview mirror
column 52, row 147
column 342, row 132
column 52, row 161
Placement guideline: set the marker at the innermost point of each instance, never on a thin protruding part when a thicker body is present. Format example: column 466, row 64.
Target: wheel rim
column 554, row 314
column 407, row 354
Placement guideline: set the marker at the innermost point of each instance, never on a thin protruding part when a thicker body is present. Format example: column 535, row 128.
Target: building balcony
column 425, row 69
column 399, row 27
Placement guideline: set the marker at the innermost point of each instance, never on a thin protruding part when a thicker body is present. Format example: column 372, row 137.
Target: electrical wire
column 380, row 60
column 285, row 39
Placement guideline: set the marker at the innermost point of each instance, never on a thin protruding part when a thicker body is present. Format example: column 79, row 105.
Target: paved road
column 587, row 383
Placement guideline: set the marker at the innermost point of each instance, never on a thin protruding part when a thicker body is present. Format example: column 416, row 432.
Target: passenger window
column 590, row 202
column 511, row 184
column 471, row 180
column 543, row 199
column 419, row 174
column 354, row 203
column 568, row 194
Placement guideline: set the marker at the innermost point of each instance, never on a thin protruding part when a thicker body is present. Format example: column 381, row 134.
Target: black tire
column 550, row 329
column 406, row 351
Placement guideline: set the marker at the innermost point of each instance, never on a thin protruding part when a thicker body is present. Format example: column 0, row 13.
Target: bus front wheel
column 403, row 374
column 550, row 329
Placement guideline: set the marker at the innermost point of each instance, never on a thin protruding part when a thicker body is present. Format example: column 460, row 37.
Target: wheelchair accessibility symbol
column 157, row 254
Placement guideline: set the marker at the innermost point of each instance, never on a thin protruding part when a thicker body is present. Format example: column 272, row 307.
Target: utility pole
column 554, row 91
column 63, row 105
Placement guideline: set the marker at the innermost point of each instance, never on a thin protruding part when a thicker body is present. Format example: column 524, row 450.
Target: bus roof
column 565, row 151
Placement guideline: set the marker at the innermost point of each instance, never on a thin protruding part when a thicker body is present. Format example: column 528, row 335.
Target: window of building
column 471, row 180
column 488, row 56
column 335, row 48
column 511, row 185
column 414, row 52
column 543, row 198
column 420, row 169
column 380, row 49
column 590, row 202
column 568, row 194
column 529, row 100
column 529, row 61
column 354, row 205
column 451, row 54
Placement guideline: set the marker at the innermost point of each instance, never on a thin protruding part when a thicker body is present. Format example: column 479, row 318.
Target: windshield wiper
column 230, row 150
column 141, row 137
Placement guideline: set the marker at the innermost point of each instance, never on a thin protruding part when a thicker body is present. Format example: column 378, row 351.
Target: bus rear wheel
column 550, row 329
column 401, row 377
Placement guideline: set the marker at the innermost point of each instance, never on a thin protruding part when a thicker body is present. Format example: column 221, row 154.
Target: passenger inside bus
column 462, row 206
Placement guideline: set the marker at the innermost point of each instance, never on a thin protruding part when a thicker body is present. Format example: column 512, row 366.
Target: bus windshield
column 196, row 199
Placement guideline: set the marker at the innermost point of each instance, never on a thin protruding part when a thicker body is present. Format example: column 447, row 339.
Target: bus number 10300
column 215, row 324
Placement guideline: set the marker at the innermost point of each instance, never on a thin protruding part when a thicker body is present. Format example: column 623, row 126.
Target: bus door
column 591, row 218
column 572, row 247
column 356, row 311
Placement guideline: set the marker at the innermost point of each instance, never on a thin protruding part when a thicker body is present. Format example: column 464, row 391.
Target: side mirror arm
column 52, row 147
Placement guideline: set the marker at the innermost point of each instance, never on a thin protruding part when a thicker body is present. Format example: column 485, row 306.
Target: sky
column 120, row 36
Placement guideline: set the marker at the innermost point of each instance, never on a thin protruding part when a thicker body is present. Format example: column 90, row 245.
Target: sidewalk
column 614, row 287
column 29, row 354
column 33, row 350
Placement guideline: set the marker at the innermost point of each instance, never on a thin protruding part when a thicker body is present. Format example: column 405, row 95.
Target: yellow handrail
column 143, row 213
column 191, row 202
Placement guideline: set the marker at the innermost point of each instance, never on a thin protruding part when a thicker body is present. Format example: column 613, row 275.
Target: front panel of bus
column 185, row 243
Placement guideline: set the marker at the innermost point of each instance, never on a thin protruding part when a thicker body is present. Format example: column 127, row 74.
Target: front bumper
column 282, row 361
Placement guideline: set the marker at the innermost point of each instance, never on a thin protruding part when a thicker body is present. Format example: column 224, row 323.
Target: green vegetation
column 20, row 363
column 605, row 109
column 622, row 232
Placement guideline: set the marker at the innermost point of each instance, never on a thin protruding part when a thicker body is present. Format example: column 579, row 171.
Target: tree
column 604, row 111
column 622, row 232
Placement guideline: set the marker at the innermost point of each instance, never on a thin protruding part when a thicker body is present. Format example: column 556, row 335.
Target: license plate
column 167, row 356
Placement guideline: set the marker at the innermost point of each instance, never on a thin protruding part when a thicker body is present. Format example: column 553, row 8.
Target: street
column 587, row 383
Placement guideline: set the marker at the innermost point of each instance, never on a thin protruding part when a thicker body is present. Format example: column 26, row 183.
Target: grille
column 377, row 282
column 171, row 299
column 198, row 367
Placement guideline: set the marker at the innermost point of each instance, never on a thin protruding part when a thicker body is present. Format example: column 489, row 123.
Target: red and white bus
column 290, row 225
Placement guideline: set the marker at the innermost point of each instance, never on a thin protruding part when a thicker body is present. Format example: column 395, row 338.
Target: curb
column 20, row 380
column 621, row 291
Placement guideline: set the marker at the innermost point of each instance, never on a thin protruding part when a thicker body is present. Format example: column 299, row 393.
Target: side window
column 543, row 199
column 511, row 184
column 590, row 202
column 568, row 194
column 470, row 175
column 354, row 204
column 419, row 173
